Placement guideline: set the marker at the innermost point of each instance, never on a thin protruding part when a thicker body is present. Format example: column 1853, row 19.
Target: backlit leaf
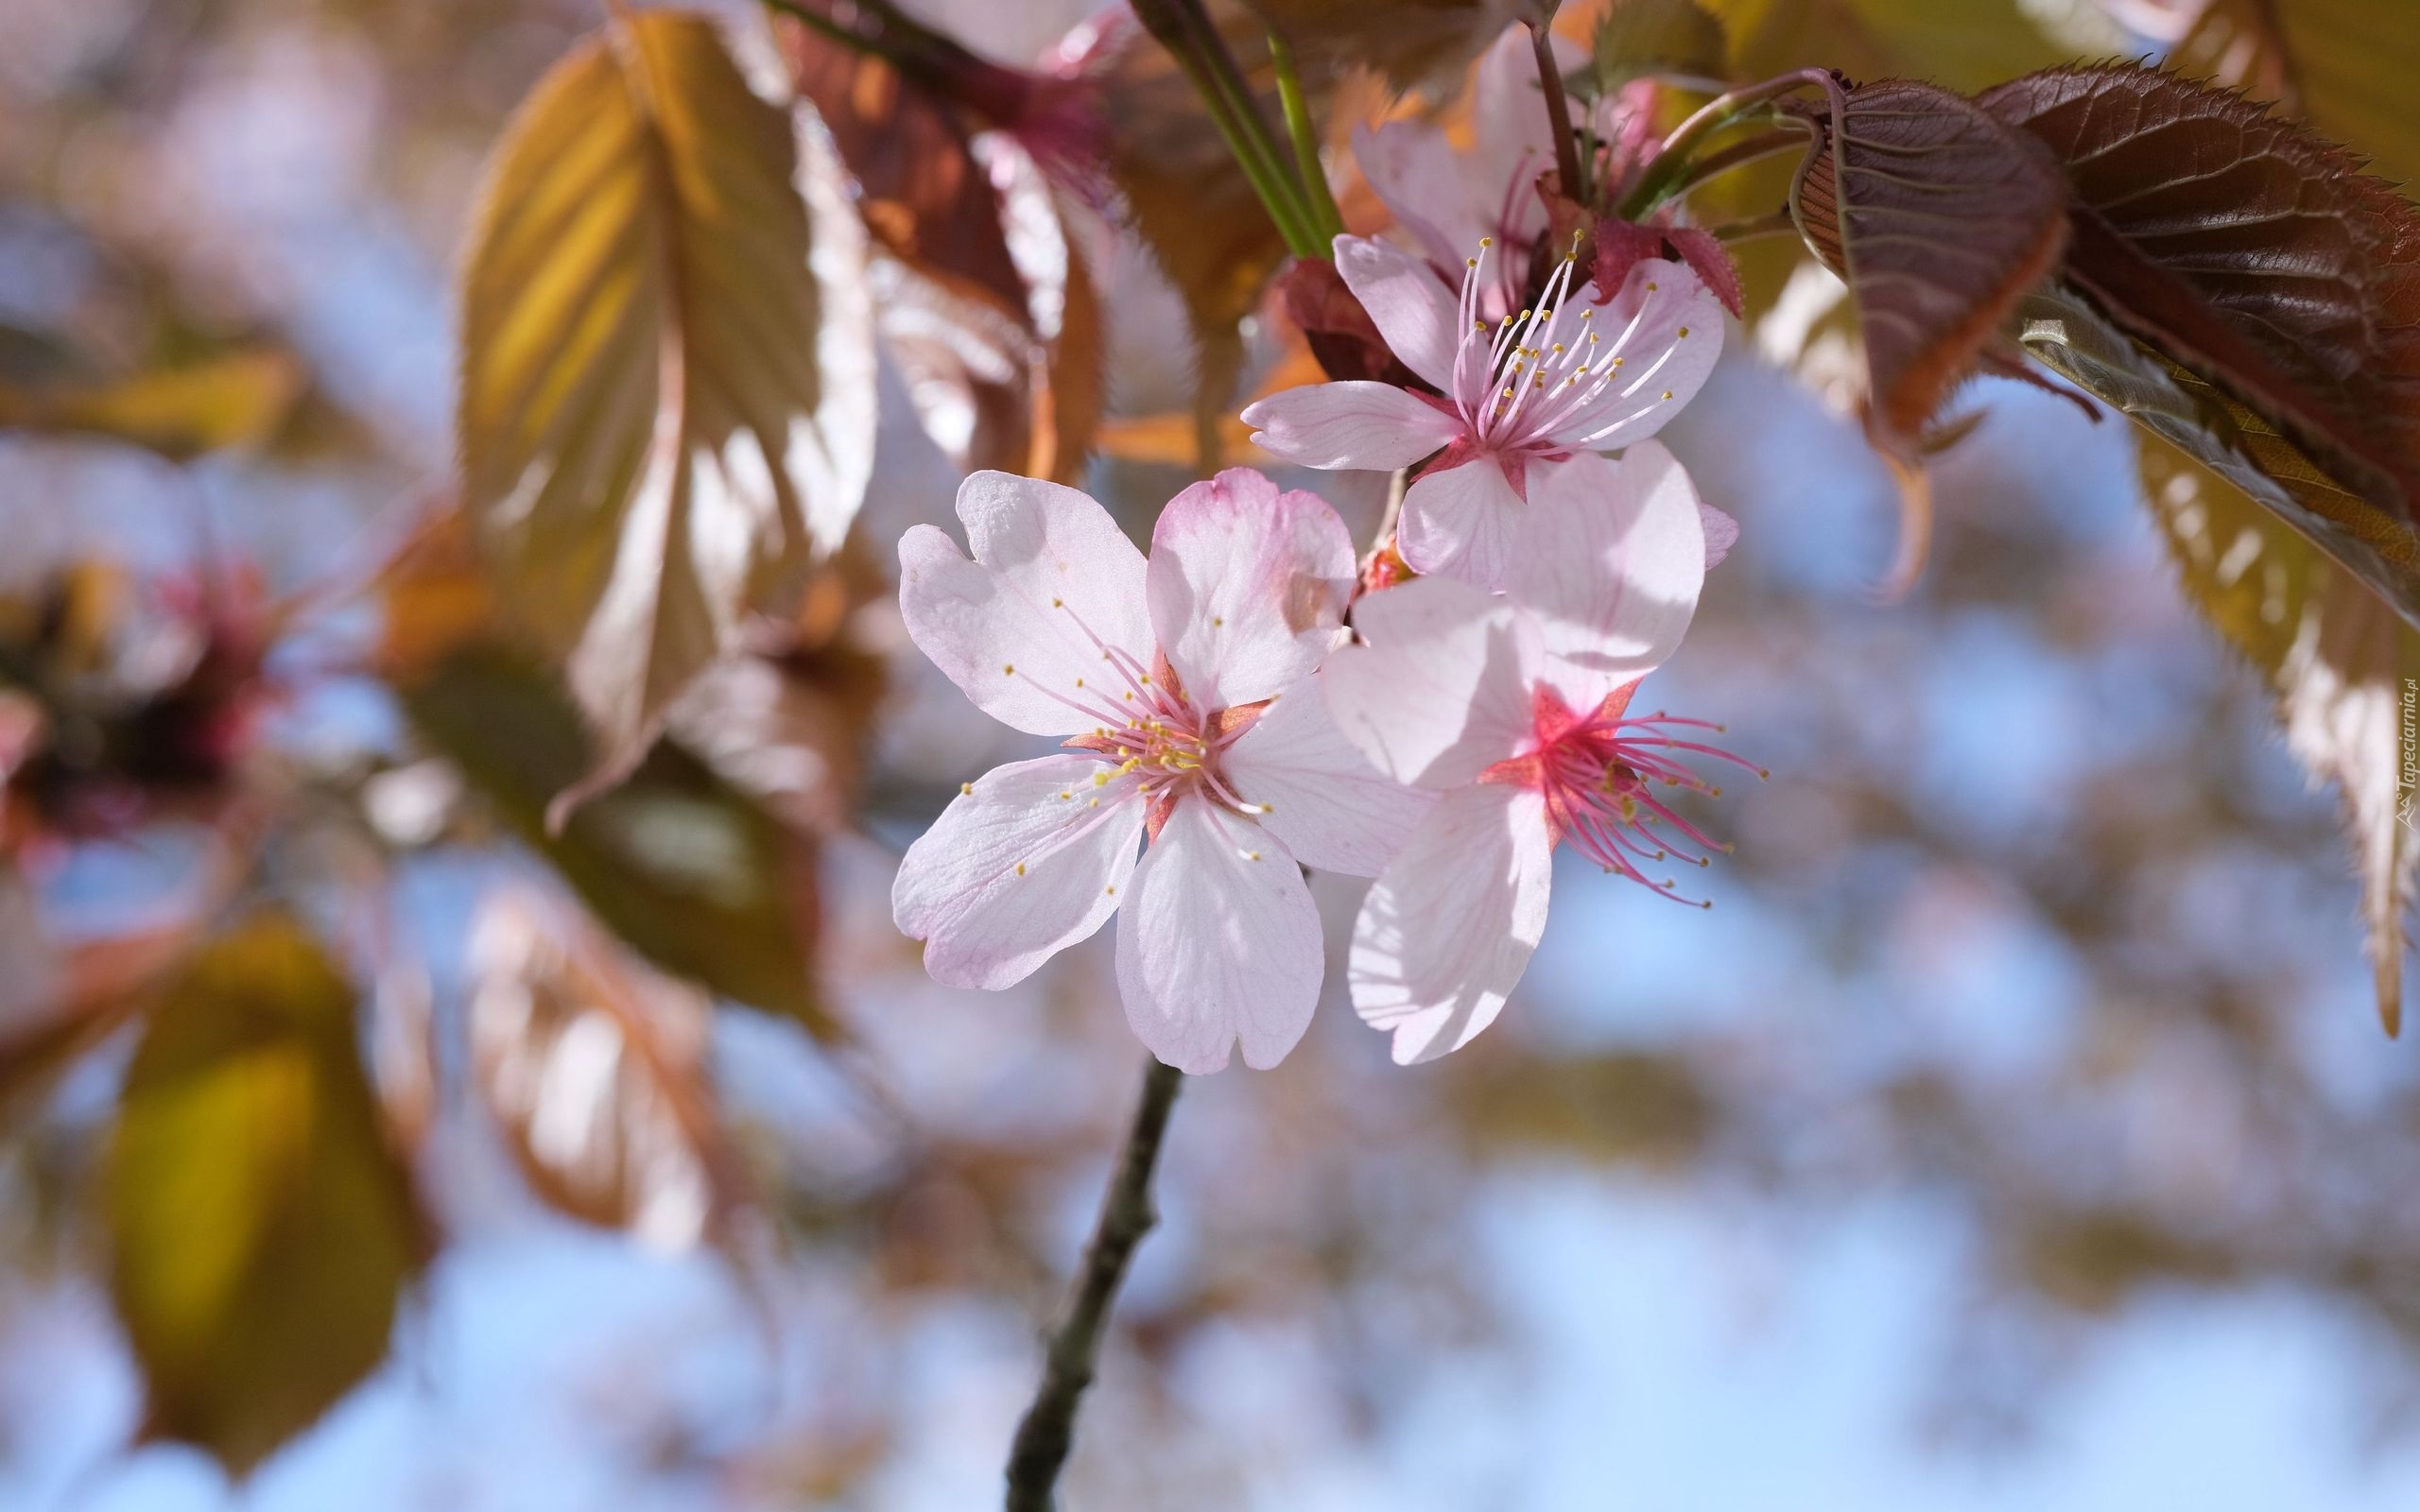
column 2343, row 65
column 595, row 1070
column 677, row 864
column 1965, row 45
column 651, row 440
column 1656, row 39
column 2338, row 661
column 261, row 1230
column 1940, row 218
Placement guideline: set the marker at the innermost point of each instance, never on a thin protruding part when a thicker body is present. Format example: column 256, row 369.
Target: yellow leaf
column 2340, row 661
column 261, row 1229
column 651, row 438
column 236, row 399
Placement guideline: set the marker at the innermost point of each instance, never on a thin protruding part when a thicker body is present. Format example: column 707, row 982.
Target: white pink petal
column 1247, row 586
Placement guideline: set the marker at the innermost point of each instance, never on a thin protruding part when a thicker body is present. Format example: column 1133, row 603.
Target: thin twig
column 1048, row 1428
column 1566, row 149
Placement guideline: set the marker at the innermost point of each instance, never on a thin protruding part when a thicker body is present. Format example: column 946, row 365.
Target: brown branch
column 1049, row 1429
column 1566, row 149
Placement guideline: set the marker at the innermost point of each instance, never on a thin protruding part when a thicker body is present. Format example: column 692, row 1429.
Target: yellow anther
column 1217, row 620
column 1101, row 779
column 1061, row 603
column 1650, row 287
column 1684, row 330
column 1010, row 669
column 1667, row 393
column 1080, row 682
column 1253, row 855
column 1020, row 868
column 1113, row 892
column 1470, row 262
column 965, row 788
column 1487, row 241
column 1067, row 794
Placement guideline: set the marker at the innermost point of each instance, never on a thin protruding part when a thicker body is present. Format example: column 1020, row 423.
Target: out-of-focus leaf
column 1965, row 45
column 66, row 1003
column 261, row 1230
column 2340, row 661
column 1656, row 39
column 596, row 1068
column 2345, row 67
column 238, row 399
column 676, row 863
column 1649, row 1109
column 1075, row 393
column 1940, row 218
column 1408, row 43
column 2276, row 284
column 926, row 198
column 646, row 448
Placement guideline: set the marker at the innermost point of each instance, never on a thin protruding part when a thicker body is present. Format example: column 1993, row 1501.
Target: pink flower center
column 1598, row 772
column 1544, row 380
column 1151, row 730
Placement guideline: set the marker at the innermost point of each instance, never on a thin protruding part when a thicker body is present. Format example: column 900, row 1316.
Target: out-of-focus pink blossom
column 1581, row 371
column 1514, row 710
column 1179, row 687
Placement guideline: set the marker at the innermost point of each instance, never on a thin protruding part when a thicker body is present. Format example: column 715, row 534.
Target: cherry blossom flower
column 1179, row 687
column 1580, row 371
column 1515, row 711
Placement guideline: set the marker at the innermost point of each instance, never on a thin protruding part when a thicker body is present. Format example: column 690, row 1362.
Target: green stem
column 1181, row 27
column 1657, row 182
column 1780, row 223
column 1326, row 219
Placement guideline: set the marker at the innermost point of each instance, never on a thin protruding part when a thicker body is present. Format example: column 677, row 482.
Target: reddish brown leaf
column 1711, row 262
column 2250, row 252
column 1940, row 218
column 926, row 198
column 596, row 1068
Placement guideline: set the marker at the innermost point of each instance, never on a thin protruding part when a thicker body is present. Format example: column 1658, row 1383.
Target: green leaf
column 654, row 433
column 1965, row 45
column 675, row 862
column 2339, row 662
column 1656, row 39
column 237, row 398
column 261, row 1229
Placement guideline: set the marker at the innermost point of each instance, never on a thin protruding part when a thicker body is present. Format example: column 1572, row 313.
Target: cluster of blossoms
column 1216, row 708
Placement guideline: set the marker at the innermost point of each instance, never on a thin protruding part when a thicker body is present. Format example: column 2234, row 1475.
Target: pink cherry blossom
column 1514, row 710
column 1445, row 197
column 1178, row 688
column 1580, row 371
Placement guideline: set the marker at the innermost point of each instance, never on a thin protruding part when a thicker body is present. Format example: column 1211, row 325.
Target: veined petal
column 1459, row 522
column 1442, row 692
column 1357, row 425
column 1609, row 557
column 1026, row 862
column 1321, row 797
column 1247, row 586
column 1419, row 176
column 1219, row 942
column 1449, row 927
column 1661, row 369
column 1024, row 628
column 1512, row 141
column 1410, row 305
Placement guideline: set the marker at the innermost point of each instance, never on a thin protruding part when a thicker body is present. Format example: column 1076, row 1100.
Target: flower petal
column 1247, row 586
column 1419, row 176
column 1442, row 691
column 1409, row 303
column 1333, row 809
column 1017, row 869
column 1609, row 557
column 1449, row 927
column 1721, row 534
column 1659, row 301
column 1358, row 424
column 1022, row 627
column 1219, row 942
column 1457, row 521
column 1512, row 141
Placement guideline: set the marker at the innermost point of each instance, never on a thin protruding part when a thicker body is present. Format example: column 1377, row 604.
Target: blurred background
column 2014, row 1131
